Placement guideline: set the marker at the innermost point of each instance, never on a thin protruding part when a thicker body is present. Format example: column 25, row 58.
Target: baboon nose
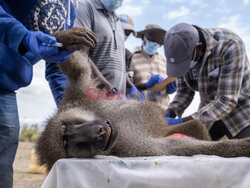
column 100, row 132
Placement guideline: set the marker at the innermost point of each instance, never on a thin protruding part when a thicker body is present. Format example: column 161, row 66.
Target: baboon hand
column 75, row 38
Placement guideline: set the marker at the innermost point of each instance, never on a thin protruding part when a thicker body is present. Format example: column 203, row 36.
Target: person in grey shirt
column 109, row 53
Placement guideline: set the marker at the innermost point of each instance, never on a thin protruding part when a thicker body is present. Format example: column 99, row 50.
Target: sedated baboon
column 83, row 128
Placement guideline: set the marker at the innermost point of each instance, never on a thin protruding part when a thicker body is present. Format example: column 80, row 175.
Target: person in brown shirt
column 149, row 67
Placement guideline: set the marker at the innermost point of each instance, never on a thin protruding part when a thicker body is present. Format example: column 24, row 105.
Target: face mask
column 150, row 47
column 193, row 63
column 111, row 5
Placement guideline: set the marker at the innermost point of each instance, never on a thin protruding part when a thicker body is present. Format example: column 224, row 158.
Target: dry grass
column 22, row 177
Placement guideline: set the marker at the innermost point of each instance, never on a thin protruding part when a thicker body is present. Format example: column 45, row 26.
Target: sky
column 35, row 102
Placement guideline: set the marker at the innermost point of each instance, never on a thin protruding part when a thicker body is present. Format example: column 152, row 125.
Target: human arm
column 171, row 120
column 180, row 102
column 12, row 31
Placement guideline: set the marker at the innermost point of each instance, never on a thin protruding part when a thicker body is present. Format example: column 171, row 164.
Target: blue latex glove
column 37, row 42
column 171, row 88
column 167, row 114
column 134, row 93
column 155, row 79
column 173, row 121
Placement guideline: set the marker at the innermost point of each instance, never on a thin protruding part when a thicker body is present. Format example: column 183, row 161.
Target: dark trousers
column 219, row 130
column 9, row 134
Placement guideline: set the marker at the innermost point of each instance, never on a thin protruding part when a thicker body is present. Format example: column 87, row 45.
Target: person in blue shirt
column 25, row 38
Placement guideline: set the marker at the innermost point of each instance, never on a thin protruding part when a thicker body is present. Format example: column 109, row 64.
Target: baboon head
column 89, row 137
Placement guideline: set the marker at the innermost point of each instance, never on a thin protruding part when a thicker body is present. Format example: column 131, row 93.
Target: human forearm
column 57, row 81
column 215, row 110
column 181, row 101
column 129, row 82
column 99, row 75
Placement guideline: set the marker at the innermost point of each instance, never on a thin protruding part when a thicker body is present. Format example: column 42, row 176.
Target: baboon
column 83, row 128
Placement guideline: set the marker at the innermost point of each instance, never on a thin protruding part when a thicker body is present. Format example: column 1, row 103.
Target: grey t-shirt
column 108, row 55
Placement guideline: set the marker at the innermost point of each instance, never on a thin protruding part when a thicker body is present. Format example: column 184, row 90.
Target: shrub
column 29, row 133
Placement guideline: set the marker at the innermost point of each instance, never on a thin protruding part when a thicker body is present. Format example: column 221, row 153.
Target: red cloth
column 178, row 135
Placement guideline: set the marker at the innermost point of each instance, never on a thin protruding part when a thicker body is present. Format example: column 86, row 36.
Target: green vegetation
column 29, row 133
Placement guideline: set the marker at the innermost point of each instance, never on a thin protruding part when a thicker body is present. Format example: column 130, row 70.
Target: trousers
column 9, row 135
column 219, row 130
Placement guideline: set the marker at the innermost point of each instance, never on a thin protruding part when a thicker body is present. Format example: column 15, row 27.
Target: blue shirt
column 16, row 19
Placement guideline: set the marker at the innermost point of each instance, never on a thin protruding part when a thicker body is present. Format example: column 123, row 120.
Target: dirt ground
column 22, row 177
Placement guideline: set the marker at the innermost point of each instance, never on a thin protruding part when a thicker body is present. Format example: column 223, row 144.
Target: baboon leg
column 189, row 147
column 193, row 128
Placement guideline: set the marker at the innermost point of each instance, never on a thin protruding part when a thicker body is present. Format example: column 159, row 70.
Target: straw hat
column 156, row 31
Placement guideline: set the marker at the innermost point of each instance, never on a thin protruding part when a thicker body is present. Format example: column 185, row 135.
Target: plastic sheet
column 199, row 171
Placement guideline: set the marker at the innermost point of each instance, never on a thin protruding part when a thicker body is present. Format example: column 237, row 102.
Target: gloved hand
column 173, row 121
column 155, row 79
column 171, row 88
column 38, row 43
column 134, row 93
column 167, row 114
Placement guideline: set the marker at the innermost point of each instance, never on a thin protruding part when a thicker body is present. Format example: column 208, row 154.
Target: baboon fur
column 141, row 126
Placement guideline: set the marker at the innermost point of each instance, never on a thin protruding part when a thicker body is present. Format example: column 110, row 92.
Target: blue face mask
column 150, row 47
column 111, row 5
column 193, row 63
